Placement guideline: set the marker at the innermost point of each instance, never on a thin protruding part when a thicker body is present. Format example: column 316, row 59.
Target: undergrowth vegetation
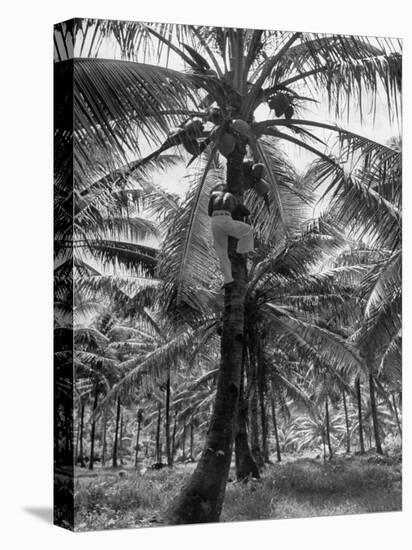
column 300, row 488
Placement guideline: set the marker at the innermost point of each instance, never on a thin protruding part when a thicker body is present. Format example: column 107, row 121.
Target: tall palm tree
column 227, row 75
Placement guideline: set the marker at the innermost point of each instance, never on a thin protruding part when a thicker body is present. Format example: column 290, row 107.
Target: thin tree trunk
column 346, row 421
column 82, row 434
column 174, row 437
column 120, row 451
column 184, row 441
column 167, row 423
column 360, row 421
column 116, row 434
column 202, row 498
column 191, row 440
column 398, row 422
column 328, row 429
column 275, row 426
column 324, row 444
column 261, row 381
column 254, row 408
column 76, row 452
column 375, row 416
column 104, row 437
column 158, row 449
column 136, row 456
column 93, row 430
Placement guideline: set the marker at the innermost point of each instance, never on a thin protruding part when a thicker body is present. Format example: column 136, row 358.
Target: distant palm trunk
column 158, row 447
column 174, row 437
column 191, row 440
column 396, row 415
column 275, row 425
column 324, row 444
column 360, row 421
column 184, row 440
column 254, row 413
column 76, row 448
column 83, row 406
column 346, row 421
column 167, row 423
column 139, row 419
column 93, row 431
column 261, row 375
column 375, row 415
column 328, row 429
column 120, row 451
column 116, row 434
column 104, row 437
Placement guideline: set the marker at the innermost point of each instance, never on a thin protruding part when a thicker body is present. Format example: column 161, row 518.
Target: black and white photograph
column 227, row 274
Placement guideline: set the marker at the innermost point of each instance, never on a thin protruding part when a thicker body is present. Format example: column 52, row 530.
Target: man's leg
column 243, row 232
column 221, row 245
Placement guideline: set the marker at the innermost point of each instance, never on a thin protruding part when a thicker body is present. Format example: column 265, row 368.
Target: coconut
column 215, row 115
column 289, row 112
column 193, row 127
column 258, row 170
column 227, row 144
column 191, row 145
column 261, row 188
column 279, row 102
column 241, row 127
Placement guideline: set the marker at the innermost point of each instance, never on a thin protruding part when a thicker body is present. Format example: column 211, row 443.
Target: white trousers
column 224, row 226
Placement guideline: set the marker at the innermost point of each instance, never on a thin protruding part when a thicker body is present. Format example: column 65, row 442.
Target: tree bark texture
column 93, row 430
column 360, row 421
column 375, row 415
column 116, row 434
column 202, row 499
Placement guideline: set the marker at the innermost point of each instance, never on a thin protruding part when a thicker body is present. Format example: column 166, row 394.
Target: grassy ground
column 302, row 487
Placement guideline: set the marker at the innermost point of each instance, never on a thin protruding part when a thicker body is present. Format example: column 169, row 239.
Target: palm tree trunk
column 324, row 444
column 76, row 449
column 81, row 434
column 158, row 449
column 120, row 452
column 261, row 381
column 375, row 415
column 328, row 429
column 104, row 437
column 184, row 440
column 254, row 409
column 136, row 456
column 174, row 437
column 360, row 421
column 93, row 430
column 167, row 423
column 346, row 422
column 245, row 465
column 116, row 434
column 191, row 440
column 202, row 499
column 275, row 425
column 396, row 415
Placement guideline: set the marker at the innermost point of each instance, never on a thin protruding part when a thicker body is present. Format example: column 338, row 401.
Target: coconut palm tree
column 227, row 74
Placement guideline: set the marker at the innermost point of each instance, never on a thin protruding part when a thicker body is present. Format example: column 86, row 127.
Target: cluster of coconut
column 252, row 177
column 227, row 141
column 193, row 130
column 282, row 104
